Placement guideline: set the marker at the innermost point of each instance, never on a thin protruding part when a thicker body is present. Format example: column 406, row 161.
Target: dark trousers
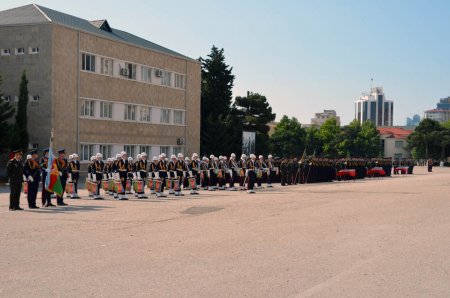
column 270, row 176
column 251, row 180
column 284, row 177
column 205, row 180
column 60, row 199
column 163, row 176
column 46, row 196
column 123, row 180
column 232, row 178
column 32, row 192
column 14, row 196
column 75, row 178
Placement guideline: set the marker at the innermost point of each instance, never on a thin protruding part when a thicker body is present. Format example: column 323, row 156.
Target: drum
column 105, row 185
column 242, row 172
column 118, row 187
column 25, row 187
column 138, row 186
column 219, row 174
column 158, row 185
column 259, row 173
column 176, row 185
column 128, row 185
column 192, row 183
column 169, row 183
column 151, row 184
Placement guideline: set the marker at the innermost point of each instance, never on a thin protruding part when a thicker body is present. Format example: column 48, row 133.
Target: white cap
column 173, row 156
column 270, row 156
column 205, row 158
column 123, row 153
column 186, row 158
column 130, row 158
column 139, row 156
column 233, row 155
column 194, row 155
column 163, row 155
column 92, row 158
column 70, row 156
column 243, row 156
column 117, row 155
column 224, row 157
column 109, row 159
column 211, row 156
column 260, row 156
column 252, row 156
column 144, row 154
column 29, row 156
column 155, row 158
column 216, row 158
column 99, row 155
column 180, row 155
column 75, row 155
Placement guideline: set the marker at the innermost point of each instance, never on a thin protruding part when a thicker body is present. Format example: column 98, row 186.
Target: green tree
column 255, row 113
column 6, row 112
column 20, row 139
column 313, row 142
column 368, row 141
column 330, row 135
column 288, row 138
column 424, row 139
column 216, row 97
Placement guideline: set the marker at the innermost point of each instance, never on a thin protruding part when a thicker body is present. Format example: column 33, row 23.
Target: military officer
column 14, row 170
column 97, row 174
column 251, row 175
column 46, row 195
column 62, row 164
column 74, row 171
column 141, row 172
column 32, row 174
column 271, row 170
column 233, row 169
column 122, row 170
column 162, row 172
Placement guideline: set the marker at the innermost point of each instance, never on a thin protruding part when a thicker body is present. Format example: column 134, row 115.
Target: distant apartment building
column 100, row 89
column 375, row 107
column 320, row 118
column 442, row 111
column 393, row 142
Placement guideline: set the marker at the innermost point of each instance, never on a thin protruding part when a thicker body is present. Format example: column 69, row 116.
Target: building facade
column 320, row 118
column 99, row 89
column 442, row 111
column 393, row 142
column 375, row 107
column 413, row 122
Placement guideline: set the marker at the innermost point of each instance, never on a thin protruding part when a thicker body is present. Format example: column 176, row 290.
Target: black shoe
column 61, row 204
column 18, row 209
column 34, row 207
column 49, row 205
column 12, row 209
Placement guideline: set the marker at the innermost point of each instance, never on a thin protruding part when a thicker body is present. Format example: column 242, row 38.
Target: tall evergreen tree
column 6, row 112
column 216, row 98
column 20, row 139
column 256, row 113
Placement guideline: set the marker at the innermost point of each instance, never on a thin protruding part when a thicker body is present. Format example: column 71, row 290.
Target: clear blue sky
column 305, row 56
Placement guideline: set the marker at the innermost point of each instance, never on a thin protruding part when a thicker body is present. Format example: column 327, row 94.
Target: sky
column 304, row 56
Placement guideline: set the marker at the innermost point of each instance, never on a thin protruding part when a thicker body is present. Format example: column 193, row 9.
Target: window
column 105, row 150
column 7, row 98
column 87, row 108
column 36, row 98
column 178, row 117
column 105, row 109
column 166, row 78
column 129, row 149
column 165, row 150
column 35, row 146
column 20, row 51
column 398, row 156
column 106, row 66
column 34, row 50
column 146, row 74
column 131, row 70
column 177, row 149
column 88, row 62
column 146, row 149
column 399, row 144
column 165, row 116
column 6, row 52
column 146, row 114
column 130, row 112
column 86, row 152
column 179, row 81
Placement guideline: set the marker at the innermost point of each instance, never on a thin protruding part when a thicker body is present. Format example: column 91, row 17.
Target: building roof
column 394, row 132
column 36, row 14
column 438, row 111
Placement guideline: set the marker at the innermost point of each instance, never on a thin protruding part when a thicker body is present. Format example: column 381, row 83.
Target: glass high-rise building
column 375, row 107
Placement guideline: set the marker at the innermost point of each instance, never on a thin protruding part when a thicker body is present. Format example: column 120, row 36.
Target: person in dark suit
column 46, row 195
column 74, row 171
column 14, row 170
column 32, row 174
column 62, row 164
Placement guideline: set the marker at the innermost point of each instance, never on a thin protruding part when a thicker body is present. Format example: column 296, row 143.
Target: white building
column 320, row 118
column 375, row 107
column 439, row 115
column 393, row 142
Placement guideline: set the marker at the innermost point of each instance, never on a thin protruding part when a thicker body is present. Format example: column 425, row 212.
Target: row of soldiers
column 116, row 175
column 318, row 169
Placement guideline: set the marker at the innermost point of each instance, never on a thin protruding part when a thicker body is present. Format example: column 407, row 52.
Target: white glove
column 190, row 174
column 60, row 174
column 94, row 178
column 24, row 178
column 230, row 172
column 69, row 178
column 246, row 172
column 134, row 176
column 30, row 179
column 105, row 176
column 156, row 175
column 176, row 176
column 139, row 175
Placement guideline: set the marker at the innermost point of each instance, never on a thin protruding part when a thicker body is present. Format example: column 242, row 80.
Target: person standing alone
column 14, row 170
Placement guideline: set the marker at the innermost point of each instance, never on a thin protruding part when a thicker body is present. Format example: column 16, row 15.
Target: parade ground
column 372, row 238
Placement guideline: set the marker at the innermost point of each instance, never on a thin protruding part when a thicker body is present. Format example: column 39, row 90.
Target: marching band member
column 74, row 173
column 97, row 174
column 141, row 172
column 251, row 176
column 62, row 164
column 194, row 168
column 187, row 167
column 130, row 174
column 222, row 167
column 271, row 172
column 172, row 173
column 153, row 174
column 180, row 169
column 90, row 171
column 69, row 175
column 108, row 172
column 162, row 172
column 233, row 170
column 122, row 169
column 204, row 173
column 242, row 166
column 46, row 195
column 261, row 166
column 212, row 173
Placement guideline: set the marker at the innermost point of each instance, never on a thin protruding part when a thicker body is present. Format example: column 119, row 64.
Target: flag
column 52, row 182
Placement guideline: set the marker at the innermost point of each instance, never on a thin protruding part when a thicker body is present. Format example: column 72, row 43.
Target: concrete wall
column 390, row 150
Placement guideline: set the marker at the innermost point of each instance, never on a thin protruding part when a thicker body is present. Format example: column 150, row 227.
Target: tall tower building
column 375, row 107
